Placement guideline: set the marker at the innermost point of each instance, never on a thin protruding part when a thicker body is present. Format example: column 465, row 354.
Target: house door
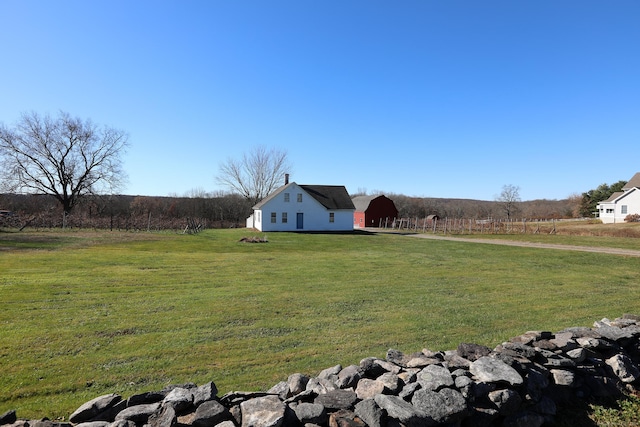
column 300, row 221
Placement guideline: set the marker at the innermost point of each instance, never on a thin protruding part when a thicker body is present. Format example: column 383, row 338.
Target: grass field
column 87, row 313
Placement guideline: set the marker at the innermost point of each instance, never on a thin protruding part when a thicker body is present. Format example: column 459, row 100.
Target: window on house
column 299, row 197
column 286, row 197
column 332, row 217
column 273, row 217
column 284, row 217
column 623, row 209
column 609, row 210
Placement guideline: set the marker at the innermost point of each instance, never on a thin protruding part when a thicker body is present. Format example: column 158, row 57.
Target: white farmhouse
column 620, row 204
column 294, row 207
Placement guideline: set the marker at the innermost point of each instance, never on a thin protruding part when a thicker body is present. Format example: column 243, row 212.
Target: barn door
column 300, row 221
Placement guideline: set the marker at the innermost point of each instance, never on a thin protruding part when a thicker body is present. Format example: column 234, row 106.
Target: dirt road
column 602, row 250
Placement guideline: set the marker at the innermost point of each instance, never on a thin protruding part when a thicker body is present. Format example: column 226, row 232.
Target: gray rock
column 337, row 399
column 401, row 410
column 144, row 398
column 444, row 406
column 564, row 341
column 297, row 383
column 139, row 414
column 281, row 389
column 407, row 391
column 390, row 381
column 369, row 412
column 349, row 377
column 165, row 417
column 563, row 377
column 435, row 377
column 330, row 372
column 8, row 417
column 320, row 385
column 623, row 368
column 91, row 410
column 204, row 393
column 578, row 354
column 507, row 401
column 122, row 423
column 472, row 352
column 311, row 413
column 179, row 398
column 87, row 424
column 397, row 357
column 490, row 370
column 266, row 411
column 368, row 388
column 210, row 413
column 345, row 418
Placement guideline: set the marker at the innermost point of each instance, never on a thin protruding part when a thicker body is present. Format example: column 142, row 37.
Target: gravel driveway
column 601, row 250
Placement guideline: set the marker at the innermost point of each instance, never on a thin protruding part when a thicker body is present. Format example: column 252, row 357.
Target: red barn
column 373, row 211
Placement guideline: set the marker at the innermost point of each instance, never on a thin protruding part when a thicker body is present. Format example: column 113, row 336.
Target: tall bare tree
column 256, row 174
column 65, row 157
column 509, row 199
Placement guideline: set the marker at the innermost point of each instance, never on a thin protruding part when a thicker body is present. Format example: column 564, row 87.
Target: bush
column 632, row 218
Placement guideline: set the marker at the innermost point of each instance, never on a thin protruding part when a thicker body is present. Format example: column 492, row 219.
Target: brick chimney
column 286, row 178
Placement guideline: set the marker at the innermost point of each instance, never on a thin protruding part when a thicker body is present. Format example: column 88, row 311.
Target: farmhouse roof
column 633, row 182
column 332, row 197
column 614, row 196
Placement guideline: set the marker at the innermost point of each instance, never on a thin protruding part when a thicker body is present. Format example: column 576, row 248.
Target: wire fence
column 471, row 226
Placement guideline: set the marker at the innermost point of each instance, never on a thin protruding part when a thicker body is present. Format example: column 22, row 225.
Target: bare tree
column 65, row 157
column 509, row 199
column 256, row 174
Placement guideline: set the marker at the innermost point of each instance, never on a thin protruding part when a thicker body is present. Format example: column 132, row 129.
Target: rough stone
column 139, row 414
column 400, row 410
column 311, row 413
column 337, row 399
column 623, row 368
column 297, row 383
column 444, row 406
column 210, row 413
column 91, row 410
column 266, row 411
column 507, row 401
column 369, row 412
column 490, row 370
column 368, row 388
column 435, row 377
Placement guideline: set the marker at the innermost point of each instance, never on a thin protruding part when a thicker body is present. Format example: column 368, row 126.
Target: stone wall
column 518, row 383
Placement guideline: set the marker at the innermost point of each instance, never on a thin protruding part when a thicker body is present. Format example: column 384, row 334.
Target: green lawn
column 89, row 313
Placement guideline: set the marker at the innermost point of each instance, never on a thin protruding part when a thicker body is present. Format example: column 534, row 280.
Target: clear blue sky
column 425, row 98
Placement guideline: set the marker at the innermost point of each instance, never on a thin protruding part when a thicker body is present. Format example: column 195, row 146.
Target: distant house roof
column 332, row 197
column 614, row 196
column 633, row 182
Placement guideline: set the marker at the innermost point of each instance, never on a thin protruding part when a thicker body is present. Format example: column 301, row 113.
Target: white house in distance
column 295, row 207
column 620, row 204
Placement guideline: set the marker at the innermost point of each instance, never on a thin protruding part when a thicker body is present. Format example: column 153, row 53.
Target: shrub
column 632, row 218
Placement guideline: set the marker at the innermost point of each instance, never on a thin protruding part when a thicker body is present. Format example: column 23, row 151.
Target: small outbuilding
column 373, row 211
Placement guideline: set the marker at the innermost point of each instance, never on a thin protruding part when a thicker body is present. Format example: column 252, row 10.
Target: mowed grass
column 89, row 313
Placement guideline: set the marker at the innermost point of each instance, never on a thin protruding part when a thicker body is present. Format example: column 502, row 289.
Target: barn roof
column 362, row 202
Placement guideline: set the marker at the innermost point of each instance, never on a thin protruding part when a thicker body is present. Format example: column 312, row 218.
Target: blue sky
column 424, row 98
